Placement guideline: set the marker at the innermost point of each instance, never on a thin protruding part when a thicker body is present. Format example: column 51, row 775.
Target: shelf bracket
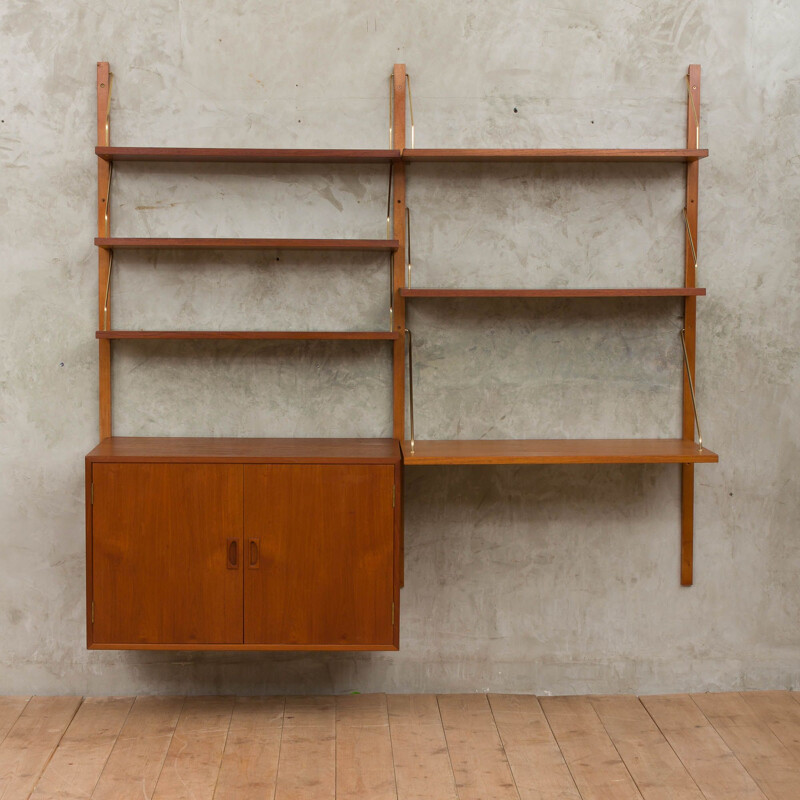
column 691, row 387
column 108, row 289
column 411, row 384
column 691, row 238
column 408, row 247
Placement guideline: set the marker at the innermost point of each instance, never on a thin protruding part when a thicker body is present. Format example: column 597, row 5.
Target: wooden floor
column 473, row 747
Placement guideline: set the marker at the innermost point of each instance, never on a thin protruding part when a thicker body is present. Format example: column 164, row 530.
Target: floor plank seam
column 222, row 751
column 558, row 745
column 503, row 747
column 167, row 749
column 111, row 749
column 447, row 745
column 14, row 721
column 616, row 749
column 280, row 747
column 57, row 745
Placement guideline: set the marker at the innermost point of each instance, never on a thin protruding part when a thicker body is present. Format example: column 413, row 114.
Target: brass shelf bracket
column 408, row 247
column 411, row 384
column 691, row 387
column 691, row 238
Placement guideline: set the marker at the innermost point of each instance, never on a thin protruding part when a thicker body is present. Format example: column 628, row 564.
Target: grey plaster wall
column 532, row 579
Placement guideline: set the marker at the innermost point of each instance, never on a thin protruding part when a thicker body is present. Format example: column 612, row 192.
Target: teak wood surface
column 246, row 155
column 553, row 154
column 280, row 335
column 555, row 451
column 729, row 746
column 319, row 555
column 236, row 243
column 197, row 449
column 160, row 541
column 679, row 291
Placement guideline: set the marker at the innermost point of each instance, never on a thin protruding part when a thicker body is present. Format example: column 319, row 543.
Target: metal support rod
column 694, row 109
column 389, row 202
column 408, row 247
column 108, row 198
column 410, row 108
column 411, row 384
column 691, row 238
column 391, row 292
column 108, row 289
column 691, row 387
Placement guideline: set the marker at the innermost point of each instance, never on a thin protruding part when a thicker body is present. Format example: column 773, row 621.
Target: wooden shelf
column 246, row 155
column 557, row 451
column 551, row 155
column 206, row 450
column 314, row 335
column 477, row 293
column 116, row 243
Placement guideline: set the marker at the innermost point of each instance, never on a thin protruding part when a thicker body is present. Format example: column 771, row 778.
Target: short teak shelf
column 297, row 544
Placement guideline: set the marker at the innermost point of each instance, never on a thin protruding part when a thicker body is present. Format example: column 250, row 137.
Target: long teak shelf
column 556, row 451
column 552, row 155
column 680, row 291
column 250, row 155
column 140, row 243
column 220, row 450
column 314, row 335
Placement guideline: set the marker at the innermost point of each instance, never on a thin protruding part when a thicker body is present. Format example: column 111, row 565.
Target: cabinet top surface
column 234, row 450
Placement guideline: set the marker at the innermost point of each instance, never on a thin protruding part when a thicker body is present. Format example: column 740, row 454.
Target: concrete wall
column 531, row 579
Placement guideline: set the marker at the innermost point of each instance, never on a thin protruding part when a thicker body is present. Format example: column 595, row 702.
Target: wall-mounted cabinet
column 257, row 544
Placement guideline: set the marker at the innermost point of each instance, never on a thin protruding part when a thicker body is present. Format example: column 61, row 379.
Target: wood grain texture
column 760, row 752
column 279, row 335
column 710, row 762
column 249, row 767
column 555, row 451
column 326, row 574
column 657, row 771
column 307, row 766
column 539, row 769
column 159, row 534
column 780, row 712
column 75, row 768
column 195, row 752
column 565, row 293
column 30, row 743
column 233, row 450
column 214, row 243
column 421, row 761
column 552, row 154
column 593, row 761
column 246, row 155
column 364, row 766
column 476, row 752
column 10, row 709
column 132, row 769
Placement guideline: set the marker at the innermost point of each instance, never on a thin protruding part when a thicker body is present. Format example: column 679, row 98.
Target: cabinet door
column 166, row 553
column 319, row 555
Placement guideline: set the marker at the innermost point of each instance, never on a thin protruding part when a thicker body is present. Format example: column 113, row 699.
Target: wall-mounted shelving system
column 221, row 517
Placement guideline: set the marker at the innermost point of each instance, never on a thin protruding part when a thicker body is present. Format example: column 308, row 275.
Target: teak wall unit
column 297, row 544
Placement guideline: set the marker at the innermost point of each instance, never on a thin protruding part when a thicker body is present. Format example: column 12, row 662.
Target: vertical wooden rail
column 689, row 323
column 398, row 277
column 103, row 255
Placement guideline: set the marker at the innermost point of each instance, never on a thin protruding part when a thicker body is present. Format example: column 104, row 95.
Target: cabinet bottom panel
column 243, row 647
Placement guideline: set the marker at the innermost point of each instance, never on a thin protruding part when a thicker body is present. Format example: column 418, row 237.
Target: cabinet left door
column 166, row 561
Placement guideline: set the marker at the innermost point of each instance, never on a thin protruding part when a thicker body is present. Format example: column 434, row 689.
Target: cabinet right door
column 319, row 551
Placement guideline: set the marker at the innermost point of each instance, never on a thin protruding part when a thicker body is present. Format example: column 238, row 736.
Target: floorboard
column 651, row 761
column 76, row 765
column 10, row 709
column 195, row 753
column 364, row 766
column 780, row 712
column 759, row 751
column 307, row 763
column 479, row 762
column 31, row 741
column 135, row 763
column 421, row 761
column 710, row 762
column 594, row 762
column 249, row 768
